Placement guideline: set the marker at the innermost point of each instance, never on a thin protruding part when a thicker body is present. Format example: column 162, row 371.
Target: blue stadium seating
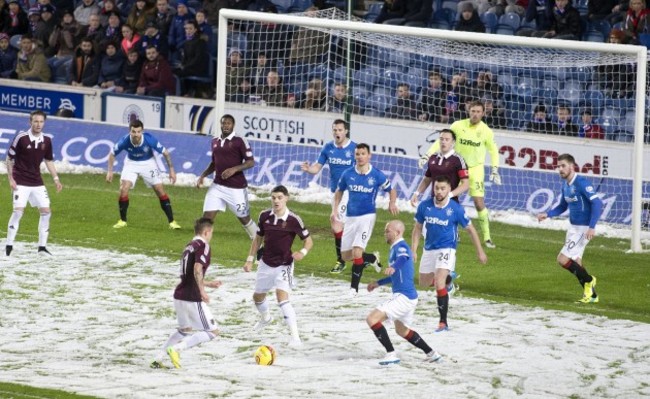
column 391, row 78
column 593, row 36
column 593, row 99
column 503, row 29
column 283, row 6
column 490, row 20
column 300, row 5
column 373, row 11
column 367, row 77
column 570, row 96
column 444, row 15
column 512, row 19
column 547, row 95
column 238, row 41
column 320, row 71
column 376, row 104
column 601, row 26
column 450, row 5
column 340, row 75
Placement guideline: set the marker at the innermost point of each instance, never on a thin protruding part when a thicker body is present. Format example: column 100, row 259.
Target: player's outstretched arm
column 311, row 169
column 415, row 198
column 480, row 253
column 255, row 245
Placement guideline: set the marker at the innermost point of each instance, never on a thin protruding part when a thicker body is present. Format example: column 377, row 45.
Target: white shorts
column 218, row 197
column 280, row 277
column 196, row 315
column 148, row 170
column 357, row 231
column 36, row 195
column 444, row 258
column 399, row 307
column 343, row 206
column 576, row 242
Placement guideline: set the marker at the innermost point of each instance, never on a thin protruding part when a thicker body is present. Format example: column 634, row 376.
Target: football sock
column 43, row 228
column 337, row 244
column 173, row 339
column 484, row 222
column 369, row 258
column 443, row 304
column 251, row 228
column 289, row 316
column 263, row 308
column 195, row 339
column 382, row 336
column 166, row 206
column 414, row 338
column 580, row 272
column 357, row 271
column 14, row 223
column 124, row 207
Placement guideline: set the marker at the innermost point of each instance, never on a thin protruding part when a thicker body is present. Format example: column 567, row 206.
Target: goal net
column 397, row 85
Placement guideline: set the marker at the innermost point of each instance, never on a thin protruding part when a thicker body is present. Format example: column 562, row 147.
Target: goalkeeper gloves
column 423, row 161
column 494, row 176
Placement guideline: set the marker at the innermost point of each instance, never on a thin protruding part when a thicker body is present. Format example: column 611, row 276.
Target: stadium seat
column 490, row 20
column 292, row 72
column 238, row 41
column 444, row 16
column 416, row 82
column 593, row 36
column 644, row 39
column 593, row 99
column 391, row 78
column 14, row 41
column 450, row 5
column 283, row 6
column 340, row 75
column 378, row 103
column 512, row 19
column 400, row 59
column 570, row 96
column 367, row 77
column 551, row 83
column 379, row 56
column 422, row 61
column 573, row 85
column 503, row 29
column 628, row 122
column 601, row 26
column 300, row 5
column 528, row 82
column 320, row 71
column 547, row 95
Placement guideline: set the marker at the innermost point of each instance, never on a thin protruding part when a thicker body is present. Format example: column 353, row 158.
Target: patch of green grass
column 17, row 391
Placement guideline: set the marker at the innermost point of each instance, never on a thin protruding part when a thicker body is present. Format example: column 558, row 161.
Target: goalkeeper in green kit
column 473, row 139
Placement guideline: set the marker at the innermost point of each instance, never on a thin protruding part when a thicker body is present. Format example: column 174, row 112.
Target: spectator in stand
column 84, row 70
column 390, row 10
column 205, row 30
column 60, row 6
column 259, row 71
column 462, row 112
column 113, row 31
column 31, row 63
column 156, row 78
column 540, row 122
column 315, row 97
column 565, row 23
column 457, row 94
column 36, row 25
column 177, row 30
column 431, row 106
column 154, row 37
column 140, row 13
column 83, row 12
column 269, row 37
column 636, row 21
column 469, row 20
column 618, row 12
column 589, row 129
column 600, row 10
column 540, row 11
column 564, row 126
column 128, row 82
column 18, row 23
column 108, row 8
column 337, row 102
column 111, row 67
column 405, row 105
column 416, row 13
column 273, row 93
column 619, row 79
column 243, row 94
column 195, row 60
column 130, row 39
column 164, row 16
column 64, row 40
column 494, row 115
column 308, row 45
column 485, row 85
column 43, row 34
column 8, row 57
column 236, row 70
column 4, row 15
column 94, row 31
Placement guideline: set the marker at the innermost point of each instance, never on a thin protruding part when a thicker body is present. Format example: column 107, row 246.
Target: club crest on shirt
column 284, row 224
column 371, row 181
column 348, row 154
column 449, row 211
column 589, row 189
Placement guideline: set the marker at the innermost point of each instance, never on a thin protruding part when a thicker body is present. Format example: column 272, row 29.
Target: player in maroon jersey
column 277, row 228
column 231, row 156
column 190, row 298
column 27, row 151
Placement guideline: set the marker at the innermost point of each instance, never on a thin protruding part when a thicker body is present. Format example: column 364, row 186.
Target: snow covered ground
column 91, row 321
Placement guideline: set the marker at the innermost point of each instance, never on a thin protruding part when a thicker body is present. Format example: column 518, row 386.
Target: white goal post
column 493, row 52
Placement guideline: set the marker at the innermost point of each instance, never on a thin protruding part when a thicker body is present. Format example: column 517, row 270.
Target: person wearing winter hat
column 8, row 56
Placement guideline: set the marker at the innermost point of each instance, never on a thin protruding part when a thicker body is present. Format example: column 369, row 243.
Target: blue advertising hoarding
column 50, row 101
column 524, row 190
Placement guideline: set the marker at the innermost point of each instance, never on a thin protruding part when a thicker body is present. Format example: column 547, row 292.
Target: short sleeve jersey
column 579, row 195
column 279, row 233
column 363, row 190
column 196, row 254
column 473, row 141
column 441, row 223
column 226, row 153
column 401, row 258
column 452, row 165
column 142, row 152
column 27, row 152
column 338, row 158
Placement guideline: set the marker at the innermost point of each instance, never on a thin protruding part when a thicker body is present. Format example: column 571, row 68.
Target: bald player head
column 394, row 231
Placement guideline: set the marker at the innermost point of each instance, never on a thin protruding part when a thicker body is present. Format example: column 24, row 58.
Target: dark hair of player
column 136, row 124
column 341, row 122
column 453, row 135
column 280, row 189
column 228, row 116
column 365, row 146
column 567, row 157
column 477, row 103
column 37, row 112
column 201, row 224
column 442, row 179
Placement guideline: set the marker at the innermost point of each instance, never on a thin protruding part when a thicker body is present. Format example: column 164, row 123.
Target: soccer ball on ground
column 265, row 355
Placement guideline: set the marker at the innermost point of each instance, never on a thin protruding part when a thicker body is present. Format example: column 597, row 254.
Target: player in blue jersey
column 140, row 161
column 584, row 205
column 441, row 217
column 362, row 183
column 401, row 306
column 339, row 156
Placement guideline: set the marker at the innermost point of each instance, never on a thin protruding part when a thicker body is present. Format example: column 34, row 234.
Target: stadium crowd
column 152, row 47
